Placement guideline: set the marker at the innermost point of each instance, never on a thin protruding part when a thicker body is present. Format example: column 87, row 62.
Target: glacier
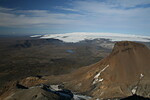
column 80, row 36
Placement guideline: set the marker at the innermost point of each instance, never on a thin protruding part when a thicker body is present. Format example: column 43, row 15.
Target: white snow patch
column 100, row 80
column 55, row 87
column 141, row 76
column 96, row 78
column 80, row 36
column 35, row 36
column 95, row 81
column 104, row 69
column 97, row 75
column 80, row 97
column 134, row 90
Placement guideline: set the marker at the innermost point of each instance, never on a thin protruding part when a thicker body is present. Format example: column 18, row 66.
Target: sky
column 64, row 16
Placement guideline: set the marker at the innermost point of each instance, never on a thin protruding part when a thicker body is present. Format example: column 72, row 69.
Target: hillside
column 121, row 74
column 118, row 74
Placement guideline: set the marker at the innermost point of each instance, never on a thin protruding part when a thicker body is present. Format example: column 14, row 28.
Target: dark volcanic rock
column 135, row 97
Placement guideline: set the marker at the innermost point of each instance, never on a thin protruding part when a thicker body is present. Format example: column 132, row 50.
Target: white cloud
column 5, row 9
column 82, row 14
column 127, row 3
column 96, row 7
column 67, row 9
column 20, row 18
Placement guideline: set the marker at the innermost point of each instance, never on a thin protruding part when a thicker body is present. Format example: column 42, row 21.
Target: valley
column 24, row 56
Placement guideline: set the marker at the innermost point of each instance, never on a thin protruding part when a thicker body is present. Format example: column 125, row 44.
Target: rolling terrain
column 24, row 56
column 124, row 72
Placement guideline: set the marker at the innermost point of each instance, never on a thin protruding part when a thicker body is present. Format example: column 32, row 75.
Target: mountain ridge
column 116, row 74
column 123, row 73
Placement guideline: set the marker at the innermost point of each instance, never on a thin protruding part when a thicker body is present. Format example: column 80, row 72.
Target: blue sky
column 62, row 16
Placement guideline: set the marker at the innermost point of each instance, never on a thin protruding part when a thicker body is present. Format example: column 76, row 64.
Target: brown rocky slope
column 124, row 72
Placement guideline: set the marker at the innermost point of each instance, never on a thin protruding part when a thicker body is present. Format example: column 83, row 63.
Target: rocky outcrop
column 123, row 73
column 32, row 81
